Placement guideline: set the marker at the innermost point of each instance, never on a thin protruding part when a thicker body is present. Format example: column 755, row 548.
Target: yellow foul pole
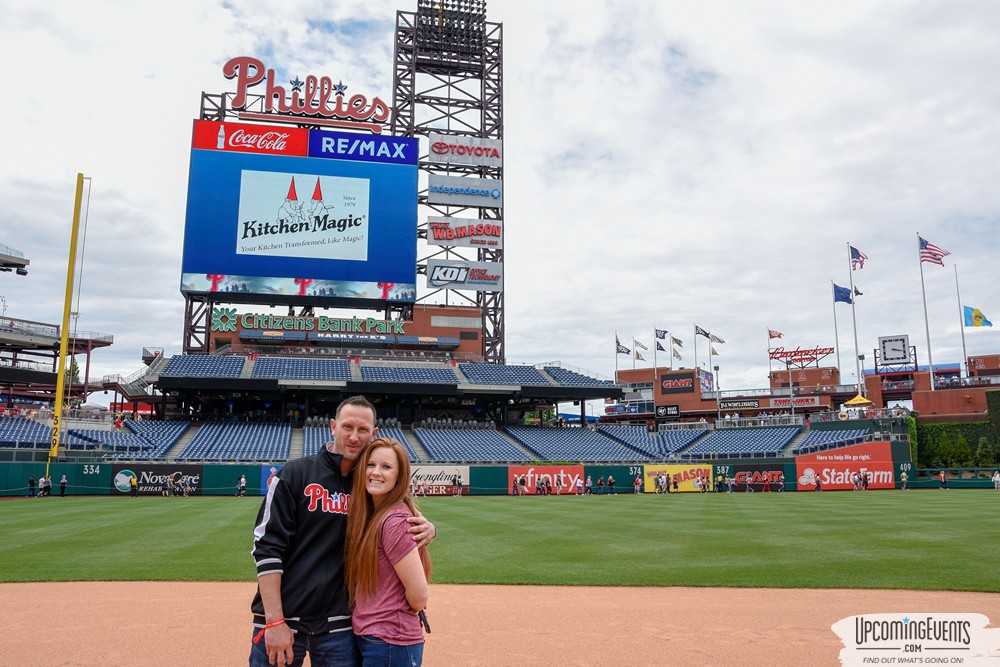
column 64, row 332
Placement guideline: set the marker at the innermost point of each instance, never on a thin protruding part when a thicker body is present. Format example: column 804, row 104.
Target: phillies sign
column 318, row 98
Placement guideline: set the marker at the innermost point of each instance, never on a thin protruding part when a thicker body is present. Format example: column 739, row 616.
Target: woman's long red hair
column 364, row 521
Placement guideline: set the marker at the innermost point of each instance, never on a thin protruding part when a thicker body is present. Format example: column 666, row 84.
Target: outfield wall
column 884, row 461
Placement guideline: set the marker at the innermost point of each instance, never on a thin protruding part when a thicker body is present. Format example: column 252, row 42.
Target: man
column 301, row 604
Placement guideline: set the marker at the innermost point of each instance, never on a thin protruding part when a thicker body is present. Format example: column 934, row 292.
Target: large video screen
column 291, row 214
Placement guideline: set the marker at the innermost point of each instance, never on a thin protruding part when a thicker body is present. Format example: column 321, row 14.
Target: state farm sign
column 835, row 468
column 445, row 148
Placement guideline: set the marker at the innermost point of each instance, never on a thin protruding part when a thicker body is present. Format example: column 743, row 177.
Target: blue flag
column 975, row 318
column 698, row 331
column 659, row 347
column 660, row 333
column 842, row 294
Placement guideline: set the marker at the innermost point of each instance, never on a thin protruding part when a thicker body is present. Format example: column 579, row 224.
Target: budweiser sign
column 799, row 354
column 318, row 98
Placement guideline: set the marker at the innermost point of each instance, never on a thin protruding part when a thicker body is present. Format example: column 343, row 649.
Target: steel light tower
column 448, row 80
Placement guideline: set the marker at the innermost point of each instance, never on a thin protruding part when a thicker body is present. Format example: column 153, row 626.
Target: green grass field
column 929, row 540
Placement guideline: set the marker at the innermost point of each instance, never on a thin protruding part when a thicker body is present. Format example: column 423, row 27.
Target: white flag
column 638, row 344
column 715, row 339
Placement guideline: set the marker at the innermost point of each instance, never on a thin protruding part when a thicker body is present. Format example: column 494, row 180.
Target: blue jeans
column 378, row 653
column 333, row 649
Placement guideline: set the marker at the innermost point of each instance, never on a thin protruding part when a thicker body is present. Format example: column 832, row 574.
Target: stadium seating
column 423, row 374
column 22, row 432
column 398, row 434
column 227, row 441
column 467, row 445
column 568, row 378
column 743, row 442
column 503, row 375
column 656, row 445
column 302, row 368
column 203, row 365
column 571, row 444
column 818, row 440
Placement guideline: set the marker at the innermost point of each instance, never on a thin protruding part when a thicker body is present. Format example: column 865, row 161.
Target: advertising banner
column 464, row 232
column 428, row 480
column 462, row 275
column 462, row 191
column 686, row 476
column 677, row 383
column 799, row 401
column 746, row 404
column 451, row 149
column 835, row 468
column 151, row 478
column 668, row 411
column 565, row 476
column 760, row 477
column 265, row 218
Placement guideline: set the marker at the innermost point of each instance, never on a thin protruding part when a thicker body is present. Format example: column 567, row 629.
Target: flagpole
column 635, row 352
column 854, row 320
column 655, row 339
column 695, row 345
column 927, row 326
column 961, row 324
column 836, row 333
column 768, row 348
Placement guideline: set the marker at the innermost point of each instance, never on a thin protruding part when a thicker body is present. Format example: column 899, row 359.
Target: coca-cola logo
column 444, row 148
column 274, row 141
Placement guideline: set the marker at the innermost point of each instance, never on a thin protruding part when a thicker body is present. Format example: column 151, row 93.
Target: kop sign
column 319, row 98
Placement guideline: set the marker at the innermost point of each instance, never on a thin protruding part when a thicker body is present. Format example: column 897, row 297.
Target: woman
column 386, row 574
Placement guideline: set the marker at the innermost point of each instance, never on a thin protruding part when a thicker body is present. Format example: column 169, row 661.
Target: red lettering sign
column 317, row 97
column 247, row 138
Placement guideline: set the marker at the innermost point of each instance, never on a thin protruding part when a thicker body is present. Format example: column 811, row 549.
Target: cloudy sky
column 667, row 164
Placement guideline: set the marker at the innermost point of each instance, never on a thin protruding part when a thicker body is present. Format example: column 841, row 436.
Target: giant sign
column 438, row 480
column 151, row 478
column 300, row 214
column 677, row 383
column 465, row 232
column 463, row 275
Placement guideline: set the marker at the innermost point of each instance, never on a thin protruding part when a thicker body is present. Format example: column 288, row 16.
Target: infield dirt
column 85, row 624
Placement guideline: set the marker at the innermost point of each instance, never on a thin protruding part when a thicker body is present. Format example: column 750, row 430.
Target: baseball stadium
column 684, row 523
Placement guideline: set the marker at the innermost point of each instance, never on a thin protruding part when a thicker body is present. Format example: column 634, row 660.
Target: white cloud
column 667, row 163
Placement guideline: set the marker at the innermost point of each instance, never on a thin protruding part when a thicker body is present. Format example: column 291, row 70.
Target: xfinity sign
column 461, row 191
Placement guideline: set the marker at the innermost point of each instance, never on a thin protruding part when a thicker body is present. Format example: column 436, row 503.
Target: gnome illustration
column 317, row 208
column 291, row 210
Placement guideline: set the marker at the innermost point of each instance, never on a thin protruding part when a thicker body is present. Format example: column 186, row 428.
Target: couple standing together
column 340, row 550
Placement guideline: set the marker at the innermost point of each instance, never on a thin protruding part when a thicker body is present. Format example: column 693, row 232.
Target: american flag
column 857, row 259
column 931, row 253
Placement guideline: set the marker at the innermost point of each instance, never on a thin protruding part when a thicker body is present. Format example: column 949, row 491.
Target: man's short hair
column 360, row 401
